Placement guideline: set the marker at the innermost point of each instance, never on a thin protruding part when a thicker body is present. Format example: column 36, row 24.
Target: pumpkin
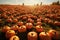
column 57, row 23
column 20, row 23
column 29, row 25
column 50, row 21
column 14, row 27
column 30, row 20
column 39, row 28
column 15, row 20
column 46, row 20
column 9, row 20
column 53, row 34
column 44, row 36
column 5, row 28
column 38, row 23
column 10, row 33
column 24, row 18
column 38, row 20
column 22, row 28
column 32, row 35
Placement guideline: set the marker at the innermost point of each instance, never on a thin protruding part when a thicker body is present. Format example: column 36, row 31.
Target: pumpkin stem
column 31, row 33
column 14, row 38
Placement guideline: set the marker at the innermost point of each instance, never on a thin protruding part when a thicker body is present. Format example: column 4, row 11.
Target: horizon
column 27, row 2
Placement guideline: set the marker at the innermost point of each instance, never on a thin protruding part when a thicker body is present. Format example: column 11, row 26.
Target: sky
column 27, row 2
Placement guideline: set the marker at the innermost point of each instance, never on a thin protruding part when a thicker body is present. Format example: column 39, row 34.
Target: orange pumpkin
column 24, row 18
column 46, row 20
column 20, row 23
column 11, row 16
column 44, row 36
column 32, row 36
column 15, row 20
column 53, row 34
column 4, row 15
column 10, row 33
column 30, row 20
column 5, row 28
column 38, row 23
column 29, row 25
column 14, row 38
column 50, row 21
column 57, row 23
column 38, row 20
column 39, row 28
column 9, row 20
column 14, row 27
column 22, row 28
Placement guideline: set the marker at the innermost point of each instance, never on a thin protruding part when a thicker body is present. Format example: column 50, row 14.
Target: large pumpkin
column 32, row 36
column 53, row 34
column 10, row 33
column 44, row 36
column 14, row 38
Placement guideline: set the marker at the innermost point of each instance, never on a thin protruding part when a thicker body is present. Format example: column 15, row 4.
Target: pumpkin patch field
column 23, row 22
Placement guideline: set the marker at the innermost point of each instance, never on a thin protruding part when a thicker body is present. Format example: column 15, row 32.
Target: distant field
column 47, row 16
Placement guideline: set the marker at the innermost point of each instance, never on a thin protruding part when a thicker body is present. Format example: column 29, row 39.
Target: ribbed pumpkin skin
column 14, row 38
column 44, row 36
column 32, row 36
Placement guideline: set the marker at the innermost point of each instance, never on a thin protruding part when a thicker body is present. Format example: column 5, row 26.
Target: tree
column 41, row 3
column 56, row 3
column 23, row 4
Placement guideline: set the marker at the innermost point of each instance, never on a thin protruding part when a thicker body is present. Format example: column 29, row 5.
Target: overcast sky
column 29, row 2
